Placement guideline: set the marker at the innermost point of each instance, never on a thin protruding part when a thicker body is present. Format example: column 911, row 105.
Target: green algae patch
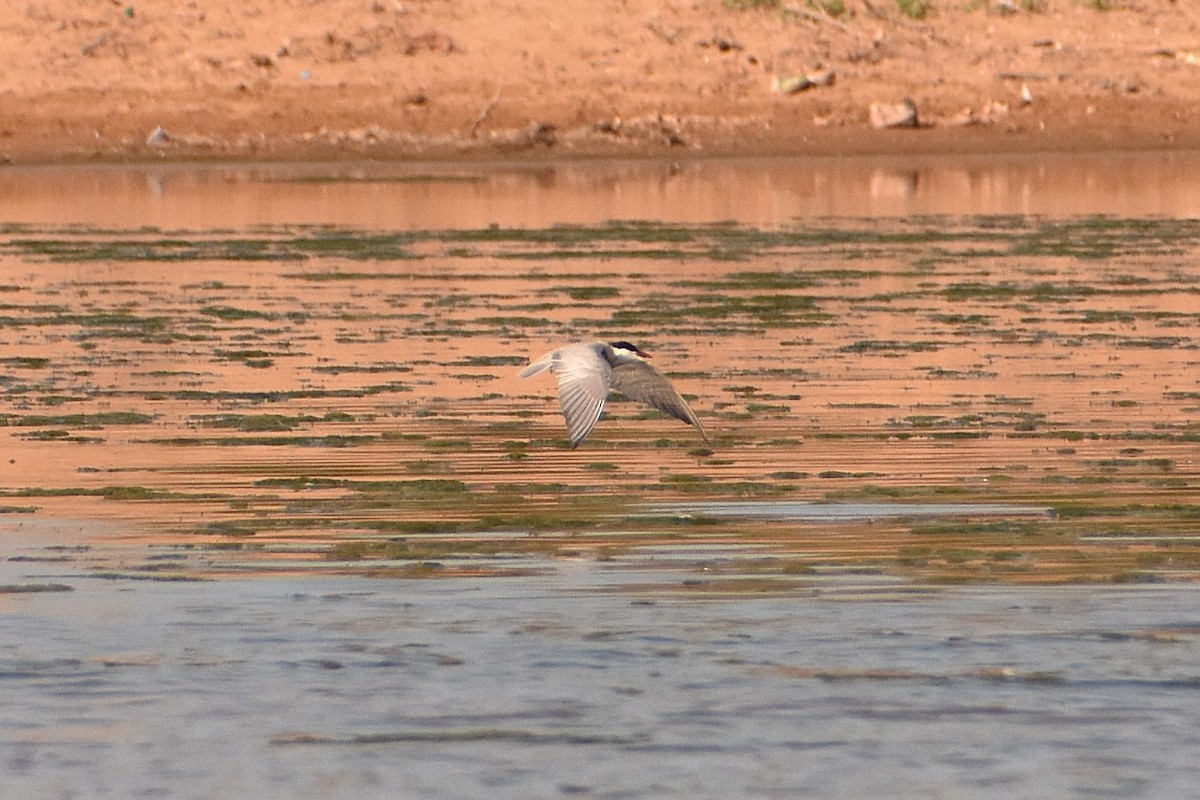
column 254, row 422
column 98, row 420
column 251, row 404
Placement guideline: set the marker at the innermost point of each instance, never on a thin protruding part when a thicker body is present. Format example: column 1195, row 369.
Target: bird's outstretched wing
column 639, row 380
column 583, row 379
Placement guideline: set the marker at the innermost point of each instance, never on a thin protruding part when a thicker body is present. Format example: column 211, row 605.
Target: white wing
column 639, row 380
column 583, row 378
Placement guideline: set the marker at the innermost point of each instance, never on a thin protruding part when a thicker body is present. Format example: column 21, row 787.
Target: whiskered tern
column 587, row 371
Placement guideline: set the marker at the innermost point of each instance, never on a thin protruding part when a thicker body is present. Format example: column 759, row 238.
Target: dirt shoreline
column 432, row 80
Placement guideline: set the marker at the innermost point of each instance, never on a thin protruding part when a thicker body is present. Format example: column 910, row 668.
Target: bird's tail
column 537, row 366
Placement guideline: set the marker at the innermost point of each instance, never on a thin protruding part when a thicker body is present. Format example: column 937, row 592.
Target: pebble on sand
column 894, row 115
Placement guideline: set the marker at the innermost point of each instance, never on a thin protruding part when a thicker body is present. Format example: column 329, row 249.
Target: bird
column 588, row 371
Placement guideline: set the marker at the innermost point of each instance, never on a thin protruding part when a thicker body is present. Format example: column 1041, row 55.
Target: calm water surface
column 278, row 516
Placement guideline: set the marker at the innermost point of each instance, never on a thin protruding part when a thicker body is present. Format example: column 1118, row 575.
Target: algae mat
column 295, row 398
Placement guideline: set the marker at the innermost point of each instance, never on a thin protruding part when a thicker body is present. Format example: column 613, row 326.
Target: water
column 838, row 512
column 336, row 687
column 279, row 517
column 756, row 192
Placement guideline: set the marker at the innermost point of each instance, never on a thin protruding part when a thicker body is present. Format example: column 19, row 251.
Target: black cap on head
column 623, row 345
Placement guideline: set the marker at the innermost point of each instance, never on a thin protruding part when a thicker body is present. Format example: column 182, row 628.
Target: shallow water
column 279, row 515
column 555, row 686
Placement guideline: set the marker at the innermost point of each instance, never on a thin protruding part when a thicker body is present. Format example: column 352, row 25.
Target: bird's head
column 625, row 348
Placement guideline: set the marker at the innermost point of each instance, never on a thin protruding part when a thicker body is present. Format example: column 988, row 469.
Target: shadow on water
column 269, row 469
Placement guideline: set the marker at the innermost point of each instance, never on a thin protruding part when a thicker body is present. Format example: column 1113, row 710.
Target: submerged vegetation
column 1083, row 238
column 335, row 398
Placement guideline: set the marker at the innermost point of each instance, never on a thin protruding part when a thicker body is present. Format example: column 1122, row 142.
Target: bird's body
column 587, row 371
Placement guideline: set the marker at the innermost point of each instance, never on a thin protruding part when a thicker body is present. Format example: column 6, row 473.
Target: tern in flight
column 587, row 371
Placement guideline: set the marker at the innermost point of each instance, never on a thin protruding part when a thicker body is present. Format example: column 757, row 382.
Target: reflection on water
column 756, row 192
column 279, row 514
